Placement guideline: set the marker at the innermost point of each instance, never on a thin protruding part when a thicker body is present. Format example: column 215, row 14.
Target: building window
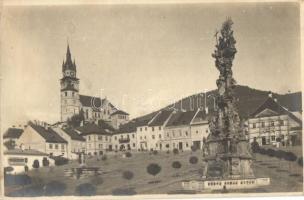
column 187, row 144
column 133, row 144
column 273, row 138
column 186, row 133
column 152, row 128
column 133, row 136
column 51, row 146
column 253, row 125
column 65, row 93
column 281, row 122
column 272, row 123
column 153, row 137
column 121, row 136
column 167, row 134
column 159, row 136
column 106, row 138
column 72, row 93
column 141, row 137
column 145, row 128
column 115, row 138
column 100, row 137
column 128, row 136
column 89, row 138
column 56, row 146
column 159, row 128
column 62, row 146
column 263, row 124
column 196, row 132
column 145, row 137
column 140, row 129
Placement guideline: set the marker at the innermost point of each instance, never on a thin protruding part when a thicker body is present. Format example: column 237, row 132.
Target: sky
column 140, row 57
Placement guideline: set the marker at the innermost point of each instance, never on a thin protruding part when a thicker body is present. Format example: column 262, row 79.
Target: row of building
column 271, row 123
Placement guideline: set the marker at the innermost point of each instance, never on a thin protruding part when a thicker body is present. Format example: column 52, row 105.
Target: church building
column 73, row 103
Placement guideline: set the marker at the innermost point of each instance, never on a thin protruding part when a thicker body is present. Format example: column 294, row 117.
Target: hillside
column 248, row 99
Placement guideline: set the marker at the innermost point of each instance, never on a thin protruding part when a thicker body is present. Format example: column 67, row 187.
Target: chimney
column 206, row 110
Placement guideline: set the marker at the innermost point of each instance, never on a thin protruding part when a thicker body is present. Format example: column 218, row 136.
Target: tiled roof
column 73, row 134
column 13, row 133
column 273, row 105
column 92, row 128
column 127, row 128
column 161, row 118
column 90, row 101
column 181, row 118
column 47, row 133
column 200, row 117
column 31, row 152
column 105, row 125
column 119, row 112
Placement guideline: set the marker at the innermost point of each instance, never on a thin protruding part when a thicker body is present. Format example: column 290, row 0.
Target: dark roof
column 105, row 125
column 48, row 134
column 24, row 152
column 90, row 101
column 181, row 118
column 92, row 128
column 161, row 118
column 273, row 105
column 13, row 133
column 201, row 116
column 73, row 134
column 119, row 112
column 127, row 128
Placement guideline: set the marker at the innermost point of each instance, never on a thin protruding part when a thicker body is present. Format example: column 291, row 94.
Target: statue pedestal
column 209, row 185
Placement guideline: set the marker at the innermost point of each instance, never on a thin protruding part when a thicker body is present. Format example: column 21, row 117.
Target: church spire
column 68, row 64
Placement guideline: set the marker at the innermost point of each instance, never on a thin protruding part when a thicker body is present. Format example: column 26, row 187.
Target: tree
column 155, row 152
column 176, row 165
column 104, row 158
column 153, row 169
column 10, row 144
column 289, row 156
column 75, row 120
column 128, row 154
column 193, row 160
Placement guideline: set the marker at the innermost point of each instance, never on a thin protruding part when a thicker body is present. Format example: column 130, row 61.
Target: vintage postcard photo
column 150, row 98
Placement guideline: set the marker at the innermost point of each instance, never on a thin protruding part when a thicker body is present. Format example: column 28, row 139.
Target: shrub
column 167, row 146
column 97, row 180
column 271, row 152
column 175, row 151
column 8, row 169
column 127, row 175
column 300, row 161
column 168, row 152
column 59, row 160
column 155, row 152
column 193, row 148
column 176, row 165
column 289, row 156
column 153, row 169
column 19, row 179
column 86, row 189
column 280, row 154
column 193, row 160
column 104, row 158
column 262, row 151
column 128, row 154
column 36, row 164
column 55, row 188
column 45, row 162
column 255, row 147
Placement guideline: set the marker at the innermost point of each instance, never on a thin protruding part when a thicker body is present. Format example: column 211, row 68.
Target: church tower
column 70, row 104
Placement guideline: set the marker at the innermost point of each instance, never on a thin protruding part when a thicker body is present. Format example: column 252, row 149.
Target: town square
column 152, row 99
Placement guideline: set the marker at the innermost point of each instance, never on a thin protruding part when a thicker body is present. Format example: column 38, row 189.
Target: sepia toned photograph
column 116, row 99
